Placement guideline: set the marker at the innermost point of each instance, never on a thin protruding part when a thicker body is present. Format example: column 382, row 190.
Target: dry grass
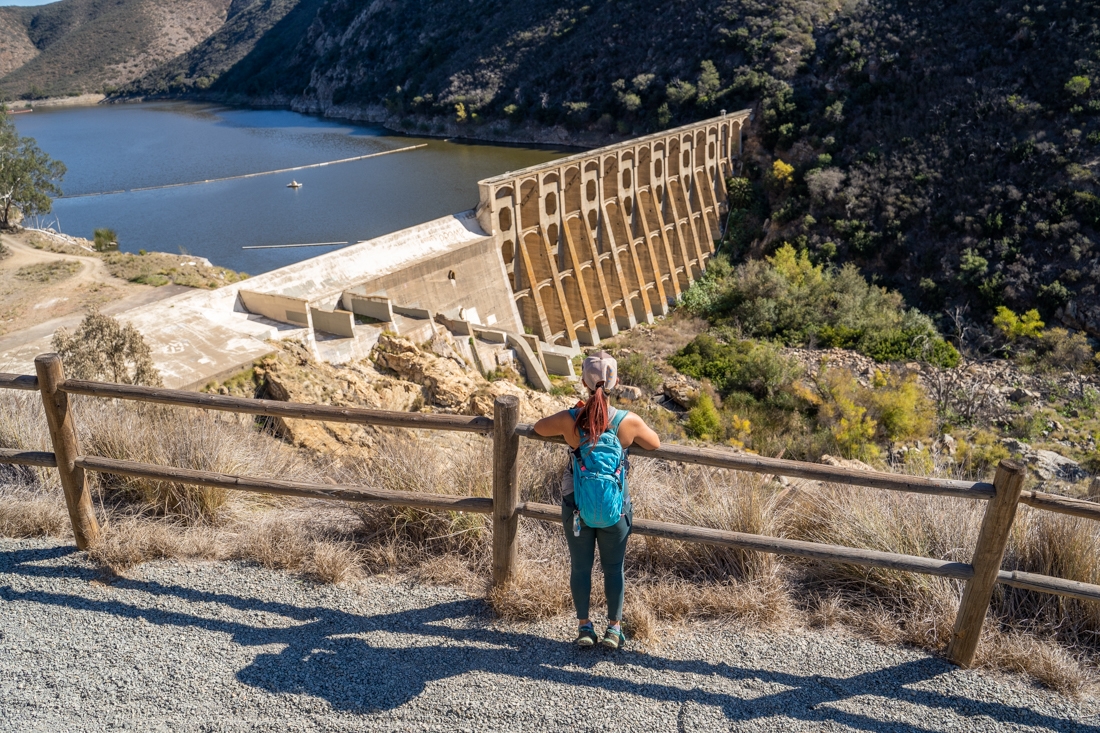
column 26, row 514
column 130, row 541
column 670, row 583
column 194, row 439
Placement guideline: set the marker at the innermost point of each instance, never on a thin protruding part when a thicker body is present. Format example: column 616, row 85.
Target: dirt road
column 42, row 291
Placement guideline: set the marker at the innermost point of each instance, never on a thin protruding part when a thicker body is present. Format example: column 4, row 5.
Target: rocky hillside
column 81, row 46
column 948, row 149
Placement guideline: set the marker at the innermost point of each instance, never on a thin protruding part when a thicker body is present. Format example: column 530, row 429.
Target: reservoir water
column 119, row 148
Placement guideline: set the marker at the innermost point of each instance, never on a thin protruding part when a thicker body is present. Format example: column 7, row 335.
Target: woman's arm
column 560, row 423
column 634, row 431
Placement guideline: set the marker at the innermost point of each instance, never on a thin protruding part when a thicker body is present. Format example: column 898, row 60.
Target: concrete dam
column 553, row 258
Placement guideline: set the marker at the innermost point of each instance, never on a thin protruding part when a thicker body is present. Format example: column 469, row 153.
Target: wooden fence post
column 505, row 485
column 59, row 417
column 990, row 550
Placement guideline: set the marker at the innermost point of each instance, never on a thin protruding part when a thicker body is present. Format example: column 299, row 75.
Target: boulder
column 851, row 463
column 1023, row 396
column 291, row 375
column 532, row 405
column 630, row 393
column 681, row 390
column 447, row 384
column 1046, row 464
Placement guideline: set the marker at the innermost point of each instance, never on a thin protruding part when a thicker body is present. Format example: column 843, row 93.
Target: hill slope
column 78, row 46
column 949, row 149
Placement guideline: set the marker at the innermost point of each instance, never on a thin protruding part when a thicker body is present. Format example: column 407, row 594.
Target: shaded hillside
column 258, row 29
column 949, row 149
column 78, row 46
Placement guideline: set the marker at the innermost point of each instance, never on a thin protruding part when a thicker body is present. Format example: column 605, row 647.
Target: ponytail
column 592, row 419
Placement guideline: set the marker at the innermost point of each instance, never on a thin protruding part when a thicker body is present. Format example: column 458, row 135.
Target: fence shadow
column 368, row 663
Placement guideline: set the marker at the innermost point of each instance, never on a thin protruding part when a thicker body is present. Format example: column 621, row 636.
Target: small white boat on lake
column 293, row 184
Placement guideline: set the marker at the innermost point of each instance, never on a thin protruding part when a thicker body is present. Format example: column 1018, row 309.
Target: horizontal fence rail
column 1002, row 496
column 775, row 545
column 798, row 469
column 28, row 458
column 275, row 408
column 362, row 494
column 19, row 381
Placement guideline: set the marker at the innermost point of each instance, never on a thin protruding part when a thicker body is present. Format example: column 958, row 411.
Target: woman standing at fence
column 598, row 435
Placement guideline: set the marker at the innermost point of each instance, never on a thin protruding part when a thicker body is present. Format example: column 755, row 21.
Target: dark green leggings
column 582, row 554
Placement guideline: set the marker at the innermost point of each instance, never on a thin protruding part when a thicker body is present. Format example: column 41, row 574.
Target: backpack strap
column 620, row 415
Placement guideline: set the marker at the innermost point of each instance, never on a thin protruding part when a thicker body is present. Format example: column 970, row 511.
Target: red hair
column 592, row 419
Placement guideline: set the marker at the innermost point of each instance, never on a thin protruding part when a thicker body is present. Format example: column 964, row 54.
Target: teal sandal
column 613, row 638
column 586, row 636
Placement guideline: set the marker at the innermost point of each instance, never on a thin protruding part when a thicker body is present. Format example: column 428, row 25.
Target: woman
column 586, row 423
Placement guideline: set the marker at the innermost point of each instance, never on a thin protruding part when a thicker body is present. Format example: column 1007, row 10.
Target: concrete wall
column 471, row 276
column 282, row 308
column 601, row 240
column 372, row 306
column 337, row 322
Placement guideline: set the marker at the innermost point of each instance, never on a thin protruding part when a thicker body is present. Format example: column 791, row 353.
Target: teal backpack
column 599, row 476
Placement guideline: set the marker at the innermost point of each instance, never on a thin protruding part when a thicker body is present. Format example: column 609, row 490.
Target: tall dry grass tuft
column 1065, row 547
column 1048, row 663
column 934, row 527
column 194, row 439
column 130, row 541
column 32, row 514
column 23, row 427
column 703, row 497
column 419, row 463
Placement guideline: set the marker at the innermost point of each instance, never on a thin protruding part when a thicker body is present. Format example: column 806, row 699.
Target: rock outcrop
column 1046, row 464
column 400, row 376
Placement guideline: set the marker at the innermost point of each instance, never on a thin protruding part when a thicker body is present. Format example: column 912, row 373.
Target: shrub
column 1012, row 326
column 744, row 365
column 105, row 240
column 741, row 195
column 703, row 420
column 1078, row 86
column 782, row 173
column 636, row 370
column 909, row 345
column 1061, row 350
column 788, row 298
column 854, row 429
column 102, row 348
column 903, row 408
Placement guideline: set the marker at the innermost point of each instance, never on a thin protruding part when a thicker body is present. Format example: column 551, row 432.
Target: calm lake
column 124, row 147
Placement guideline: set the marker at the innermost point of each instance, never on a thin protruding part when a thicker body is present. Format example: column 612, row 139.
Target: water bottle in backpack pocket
column 599, row 476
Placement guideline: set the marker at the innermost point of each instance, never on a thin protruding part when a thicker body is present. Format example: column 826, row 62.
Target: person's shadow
column 341, row 657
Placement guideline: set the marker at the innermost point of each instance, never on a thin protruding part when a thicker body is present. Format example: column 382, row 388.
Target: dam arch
column 602, row 240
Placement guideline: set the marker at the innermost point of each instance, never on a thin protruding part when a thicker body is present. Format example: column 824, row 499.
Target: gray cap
column 600, row 367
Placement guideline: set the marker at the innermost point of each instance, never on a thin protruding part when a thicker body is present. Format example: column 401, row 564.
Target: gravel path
column 229, row 647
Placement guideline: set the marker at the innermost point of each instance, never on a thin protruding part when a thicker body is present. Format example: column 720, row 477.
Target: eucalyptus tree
column 28, row 176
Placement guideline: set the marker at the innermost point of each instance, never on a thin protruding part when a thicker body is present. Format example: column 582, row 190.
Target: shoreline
column 497, row 131
column 81, row 100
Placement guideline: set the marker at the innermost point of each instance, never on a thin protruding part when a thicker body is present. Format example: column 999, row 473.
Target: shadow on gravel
column 335, row 655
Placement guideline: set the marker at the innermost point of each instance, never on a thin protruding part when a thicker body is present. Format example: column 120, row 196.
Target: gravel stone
column 232, row 647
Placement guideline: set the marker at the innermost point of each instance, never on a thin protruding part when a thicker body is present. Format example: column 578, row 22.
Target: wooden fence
column 980, row 575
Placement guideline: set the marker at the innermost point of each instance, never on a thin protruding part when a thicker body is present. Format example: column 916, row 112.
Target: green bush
column 745, row 366
column 636, row 370
column 703, row 420
column 911, row 345
column 788, row 298
column 1061, row 350
column 105, row 240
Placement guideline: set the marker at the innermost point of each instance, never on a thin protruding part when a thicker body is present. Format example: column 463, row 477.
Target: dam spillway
column 553, row 258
